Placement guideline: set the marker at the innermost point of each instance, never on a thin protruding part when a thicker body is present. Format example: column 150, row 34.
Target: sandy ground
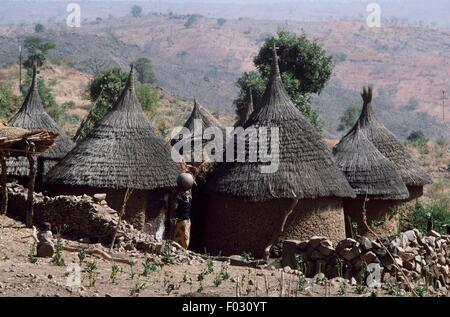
column 20, row 277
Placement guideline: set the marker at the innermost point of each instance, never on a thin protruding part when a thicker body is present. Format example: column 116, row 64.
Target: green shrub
column 421, row 213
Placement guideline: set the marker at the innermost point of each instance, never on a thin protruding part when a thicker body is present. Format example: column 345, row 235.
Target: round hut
column 33, row 117
column 199, row 120
column 248, row 207
column 375, row 180
column 123, row 151
column 412, row 174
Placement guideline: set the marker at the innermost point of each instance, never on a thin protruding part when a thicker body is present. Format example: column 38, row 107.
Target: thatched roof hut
column 123, row 151
column 368, row 171
column 306, row 169
column 247, row 207
column 206, row 118
column 32, row 116
column 410, row 171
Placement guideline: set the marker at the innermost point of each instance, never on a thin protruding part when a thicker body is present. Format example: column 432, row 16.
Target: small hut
column 18, row 142
column 123, row 151
column 32, row 116
column 200, row 118
column 412, row 174
column 372, row 176
column 247, row 209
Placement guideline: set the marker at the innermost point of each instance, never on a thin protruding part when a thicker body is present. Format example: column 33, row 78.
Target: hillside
column 407, row 65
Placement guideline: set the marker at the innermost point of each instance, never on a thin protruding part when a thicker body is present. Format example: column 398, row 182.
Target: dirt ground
column 20, row 277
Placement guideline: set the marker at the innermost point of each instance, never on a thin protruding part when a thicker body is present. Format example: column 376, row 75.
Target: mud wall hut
column 374, row 178
column 33, row 117
column 247, row 207
column 413, row 175
column 123, row 151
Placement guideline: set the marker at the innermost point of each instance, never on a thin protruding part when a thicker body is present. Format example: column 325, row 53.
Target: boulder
column 290, row 248
column 325, row 250
column 302, row 245
column 316, row 240
column 365, row 243
column 348, row 254
column 346, row 243
column 368, row 257
column 316, row 255
column 435, row 234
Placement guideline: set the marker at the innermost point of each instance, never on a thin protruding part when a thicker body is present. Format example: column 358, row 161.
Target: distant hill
column 408, row 66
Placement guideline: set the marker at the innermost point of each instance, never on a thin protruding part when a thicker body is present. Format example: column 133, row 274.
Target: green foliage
column 421, row 291
column 144, row 70
column 249, row 81
column 37, row 49
column 91, row 269
column 417, row 137
column 57, row 257
column 167, row 254
column 361, row 289
column 247, row 256
column 136, row 11
column 6, row 99
column 420, row 214
column 305, row 69
column 348, row 118
column 190, row 21
column 105, row 89
column 343, row 288
column 39, row 28
column 115, row 269
column 82, row 255
column 150, row 266
column 137, row 288
column 221, row 21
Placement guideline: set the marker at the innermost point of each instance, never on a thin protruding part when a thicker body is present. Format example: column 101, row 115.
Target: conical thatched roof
column 202, row 114
column 32, row 116
column 367, row 170
column 410, row 171
column 306, row 166
column 122, row 151
column 248, row 111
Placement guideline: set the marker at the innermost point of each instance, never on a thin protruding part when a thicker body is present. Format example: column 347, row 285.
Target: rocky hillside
column 407, row 65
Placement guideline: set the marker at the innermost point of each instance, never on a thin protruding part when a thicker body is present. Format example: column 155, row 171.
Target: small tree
column 6, row 99
column 39, row 28
column 37, row 49
column 417, row 137
column 348, row 118
column 221, row 21
column 144, row 71
column 190, row 21
column 136, row 11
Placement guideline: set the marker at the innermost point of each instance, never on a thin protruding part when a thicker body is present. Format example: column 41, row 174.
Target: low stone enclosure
column 84, row 218
column 416, row 258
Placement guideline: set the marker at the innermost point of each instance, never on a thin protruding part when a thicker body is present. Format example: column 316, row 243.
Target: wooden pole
column 278, row 234
column 31, row 180
column 121, row 213
column 4, row 177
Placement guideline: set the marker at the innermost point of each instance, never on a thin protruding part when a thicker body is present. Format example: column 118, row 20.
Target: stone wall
column 418, row 257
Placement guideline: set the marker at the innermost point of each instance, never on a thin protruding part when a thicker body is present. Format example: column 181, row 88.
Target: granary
column 123, row 151
column 412, row 174
column 18, row 142
column 199, row 120
column 32, row 116
column 373, row 177
column 247, row 207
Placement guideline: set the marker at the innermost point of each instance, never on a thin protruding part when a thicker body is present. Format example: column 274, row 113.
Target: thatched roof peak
column 410, row 171
column 201, row 113
column 306, row 166
column 367, row 170
column 123, row 150
column 248, row 110
column 32, row 116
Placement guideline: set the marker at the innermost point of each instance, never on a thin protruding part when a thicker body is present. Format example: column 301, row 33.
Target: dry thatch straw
column 411, row 172
column 306, row 165
column 202, row 114
column 368, row 171
column 13, row 141
column 32, row 116
column 122, row 151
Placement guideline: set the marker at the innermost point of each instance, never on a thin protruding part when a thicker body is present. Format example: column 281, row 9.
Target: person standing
column 182, row 230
